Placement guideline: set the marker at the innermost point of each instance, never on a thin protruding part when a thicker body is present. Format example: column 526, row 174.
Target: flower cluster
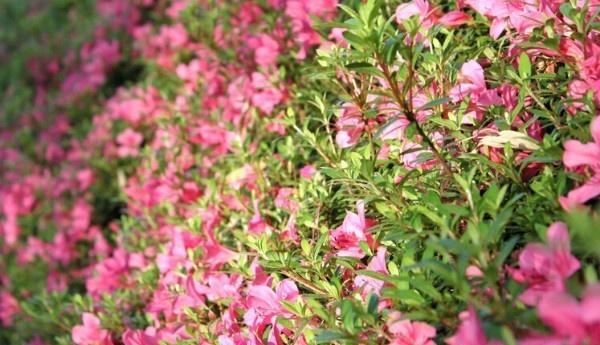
column 305, row 172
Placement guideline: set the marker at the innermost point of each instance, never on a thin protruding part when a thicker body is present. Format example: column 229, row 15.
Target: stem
column 303, row 281
column 408, row 111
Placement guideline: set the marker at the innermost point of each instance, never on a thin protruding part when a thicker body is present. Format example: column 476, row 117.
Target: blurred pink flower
column 577, row 155
column 571, row 322
column 129, row 143
column 139, row 337
column 543, row 268
column 406, row 332
column 9, row 306
column 308, row 171
column 470, row 331
column 90, row 333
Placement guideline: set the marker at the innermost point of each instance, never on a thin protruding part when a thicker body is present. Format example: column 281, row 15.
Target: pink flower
column 308, row 171
column 275, row 127
column 473, row 81
column 420, row 8
column 257, row 224
column 85, row 177
column 266, row 97
column 406, row 332
column 470, row 331
column 578, row 154
column 472, row 84
column 190, row 74
column 284, row 200
column 138, row 337
column 90, row 333
column 523, row 16
column 129, row 142
column 572, row 322
column 366, row 284
column 395, row 129
column 543, row 268
column 264, row 306
column 346, row 237
column 9, row 306
column 350, row 126
column 455, row 18
column 217, row 286
column 267, row 51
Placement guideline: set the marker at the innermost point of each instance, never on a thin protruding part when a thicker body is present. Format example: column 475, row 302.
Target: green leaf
column 355, row 40
column 328, row 336
column 364, row 67
column 372, row 304
column 426, row 287
column 524, row 66
column 434, row 103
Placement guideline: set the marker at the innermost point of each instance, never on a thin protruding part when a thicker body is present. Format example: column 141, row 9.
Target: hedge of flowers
column 300, row 172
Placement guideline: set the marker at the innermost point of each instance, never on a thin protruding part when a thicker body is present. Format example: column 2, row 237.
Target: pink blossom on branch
column 347, row 237
column 368, row 285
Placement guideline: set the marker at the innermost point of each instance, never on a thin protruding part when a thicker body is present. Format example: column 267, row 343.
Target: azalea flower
column 428, row 16
column 366, row 284
column 346, row 237
column 543, row 268
column 139, row 337
column 470, row 331
column 129, row 142
column 472, row 84
column 90, row 333
column 523, row 16
column 350, row 126
column 308, row 171
column 577, row 155
column 264, row 306
column 406, row 332
column 9, row 306
column 572, row 322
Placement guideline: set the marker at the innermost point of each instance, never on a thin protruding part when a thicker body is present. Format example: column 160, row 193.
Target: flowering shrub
column 301, row 172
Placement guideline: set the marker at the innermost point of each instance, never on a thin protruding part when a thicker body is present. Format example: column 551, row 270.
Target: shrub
column 303, row 172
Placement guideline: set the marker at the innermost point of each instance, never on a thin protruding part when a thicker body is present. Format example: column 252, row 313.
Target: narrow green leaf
column 524, row 66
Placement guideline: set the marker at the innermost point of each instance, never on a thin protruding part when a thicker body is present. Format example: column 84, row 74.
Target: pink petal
column 581, row 195
column 378, row 263
column 591, row 304
column 578, row 154
column 262, row 298
column 474, row 72
column 405, row 11
column 558, row 237
column 455, row 18
column 90, row 320
column 498, row 25
column 595, row 129
column 562, row 312
column 287, row 290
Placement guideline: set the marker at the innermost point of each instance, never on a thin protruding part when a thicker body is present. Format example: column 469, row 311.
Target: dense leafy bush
column 300, row 172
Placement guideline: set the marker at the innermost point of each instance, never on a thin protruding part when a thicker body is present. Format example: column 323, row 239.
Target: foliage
column 300, row 172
